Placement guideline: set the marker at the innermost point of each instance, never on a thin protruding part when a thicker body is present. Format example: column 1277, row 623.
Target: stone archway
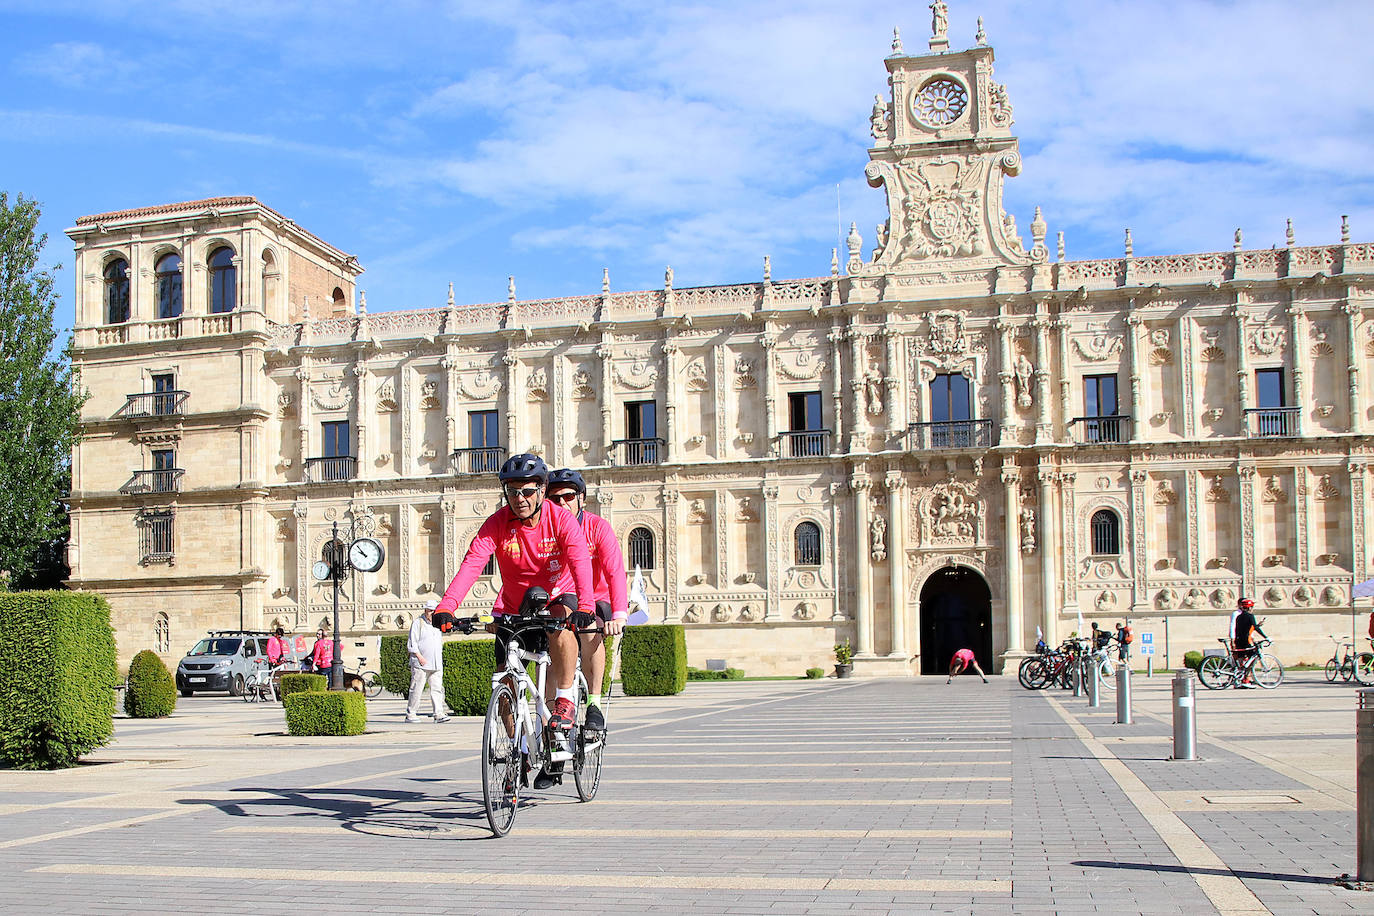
column 956, row 613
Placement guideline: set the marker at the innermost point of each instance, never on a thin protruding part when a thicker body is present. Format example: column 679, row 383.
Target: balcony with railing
column 330, row 470
column 154, row 404
column 485, row 460
column 1101, row 430
column 947, row 434
column 805, row 443
column 165, row 480
column 630, row 452
column 1272, row 422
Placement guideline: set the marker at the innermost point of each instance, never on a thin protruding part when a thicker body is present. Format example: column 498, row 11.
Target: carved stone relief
column 1267, row 340
column 1098, row 348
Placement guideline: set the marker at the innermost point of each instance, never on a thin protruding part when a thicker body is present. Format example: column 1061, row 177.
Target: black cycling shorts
column 532, row 640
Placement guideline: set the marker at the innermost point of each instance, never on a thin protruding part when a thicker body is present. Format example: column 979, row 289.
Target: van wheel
column 236, row 686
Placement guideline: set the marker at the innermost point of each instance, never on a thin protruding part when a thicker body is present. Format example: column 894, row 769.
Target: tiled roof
column 190, row 206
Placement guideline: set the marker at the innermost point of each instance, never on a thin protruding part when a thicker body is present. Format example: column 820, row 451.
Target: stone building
column 960, row 438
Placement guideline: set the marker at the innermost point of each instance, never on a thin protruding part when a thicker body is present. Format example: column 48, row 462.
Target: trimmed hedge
column 725, row 674
column 653, row 660
column 318, row 712
column 814, row 673
column 57, row 677
column 468, row 667
column 1192, row 659
column 152, row 692
column 303, row 683
column 395, row 665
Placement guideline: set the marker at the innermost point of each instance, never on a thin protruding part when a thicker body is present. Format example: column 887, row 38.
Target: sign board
column 1147, row 644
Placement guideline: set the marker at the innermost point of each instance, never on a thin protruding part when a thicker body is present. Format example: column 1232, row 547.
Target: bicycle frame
column 531, row 710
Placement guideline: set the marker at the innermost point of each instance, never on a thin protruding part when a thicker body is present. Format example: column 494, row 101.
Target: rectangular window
column 949, row 398
column 1269, row 389
column 482, row 429
column 164, row 459
column 335, row 439
column 804, row 411
column 1099, row 395
column 156, row 535
column 164, row 402
column 490, row 568
column 641, row 420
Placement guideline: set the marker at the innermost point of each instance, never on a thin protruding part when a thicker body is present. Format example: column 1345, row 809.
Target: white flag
column 1080, row 622
column 1365, row 589
column 638, row 600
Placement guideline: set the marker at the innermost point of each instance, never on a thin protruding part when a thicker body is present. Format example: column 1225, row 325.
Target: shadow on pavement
column 1185, row 870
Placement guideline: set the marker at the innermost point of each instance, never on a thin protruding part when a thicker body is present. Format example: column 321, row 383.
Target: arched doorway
column 956, row 613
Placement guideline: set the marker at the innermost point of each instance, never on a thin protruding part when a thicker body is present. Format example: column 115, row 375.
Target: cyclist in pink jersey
column 535, row 545
column 568, row 489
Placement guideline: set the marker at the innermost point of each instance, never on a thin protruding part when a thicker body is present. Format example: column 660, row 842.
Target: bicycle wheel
column 586, row 751
column 1267, row 672
column 1348, row 668
column 1214, row 673
column 372, row 684
column 1364, row 669
column 501, row 760
column 1031, row 672
column 1333, row 668
column 1106, row 674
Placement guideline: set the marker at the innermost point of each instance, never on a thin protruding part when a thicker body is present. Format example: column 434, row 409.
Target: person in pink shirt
column 568, row 489
column 536, row 544
column 276, row 646
column 322, row 656
column 962, row 661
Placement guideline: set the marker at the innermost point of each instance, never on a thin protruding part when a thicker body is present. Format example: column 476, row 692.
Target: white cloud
column 79, row 65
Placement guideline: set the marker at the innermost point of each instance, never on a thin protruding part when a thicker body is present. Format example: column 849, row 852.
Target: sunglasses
column 568, row 497
column 522, row 492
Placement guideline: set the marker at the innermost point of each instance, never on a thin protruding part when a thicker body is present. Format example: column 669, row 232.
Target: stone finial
column 897, row 41
column 1059, row 250
column 668, row 277
column 767, row 269
column 982, row 37
column 834, row 262
column 1289, row 235
column 362, row 302
column 855, row 243
column 1130, row 245
column 1345, row 230
column 605, row 281
column 305, row 309
column 510, row 288
column 450, row 294
column 1240, row 239
column 939, row 26
column 1038, row 227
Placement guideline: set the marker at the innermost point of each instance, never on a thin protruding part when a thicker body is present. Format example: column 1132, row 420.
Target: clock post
column 337, row 563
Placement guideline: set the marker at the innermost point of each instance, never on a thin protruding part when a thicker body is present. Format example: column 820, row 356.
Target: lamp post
column 337, row 564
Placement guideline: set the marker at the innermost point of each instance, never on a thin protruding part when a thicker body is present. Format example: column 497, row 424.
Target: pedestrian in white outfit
column 426, row 647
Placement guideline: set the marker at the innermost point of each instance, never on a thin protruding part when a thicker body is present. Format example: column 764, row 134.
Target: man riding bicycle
column 535, row 545
column 568, row 489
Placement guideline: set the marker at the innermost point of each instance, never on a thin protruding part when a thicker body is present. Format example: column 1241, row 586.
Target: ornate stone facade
column 945, row 425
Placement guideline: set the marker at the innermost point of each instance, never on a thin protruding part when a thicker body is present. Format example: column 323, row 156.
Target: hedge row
column 468, row 667
column 653, row 660
column 395, row 665
column 303, row 683
column 725, row 674
column 152, row 691
column 57, row 677
column 339, row 712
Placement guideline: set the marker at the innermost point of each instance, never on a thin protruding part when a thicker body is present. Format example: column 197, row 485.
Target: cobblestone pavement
column 859, row 796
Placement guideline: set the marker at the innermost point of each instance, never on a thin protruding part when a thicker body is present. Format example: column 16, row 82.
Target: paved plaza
column 858, row 796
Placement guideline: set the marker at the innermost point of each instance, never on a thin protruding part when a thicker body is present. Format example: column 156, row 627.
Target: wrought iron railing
column 154, row 404
column 1272, row 422
column 627, row 452
column 940, row 434
column 328, row 470
column 805, row 443
column 165, row 480
column 1115, row 428
column 485, row 460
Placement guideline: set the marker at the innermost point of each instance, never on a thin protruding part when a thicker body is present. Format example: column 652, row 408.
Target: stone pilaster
column 1140, row 546
column 1011, row 537
column 1133, row 355
column 896, row 561
column 896, row 422
column 863, row 602
column 1049, row 549
column 857, row 439
column 1297, row 322
column 773, row 542
column 1005, row 359
column 605, row 395
column 1061, row 328
column 670, row 430
column 836, row 337
column 672, row 524
column 770, row 389
column 1353, row 360
column 512, row 385
column 1249, row 568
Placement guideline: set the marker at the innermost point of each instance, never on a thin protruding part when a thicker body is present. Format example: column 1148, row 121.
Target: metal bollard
column 1078, row 678
column 1094, row 684
column 1185, row 716
column 1364, row 785
column 1123, row 695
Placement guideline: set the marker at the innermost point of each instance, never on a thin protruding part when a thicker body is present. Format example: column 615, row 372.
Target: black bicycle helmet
column 525, row 467
column 567, row 477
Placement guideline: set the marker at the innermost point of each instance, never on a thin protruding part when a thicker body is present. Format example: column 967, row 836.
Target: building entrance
column 956, row 613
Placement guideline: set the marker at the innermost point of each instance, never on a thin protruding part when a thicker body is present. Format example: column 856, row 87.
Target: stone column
column 670, row 431
column 448, row 505
column 1138, row 408
column 450, row 366
column 1139, row 528
column 836, row 487
column 1005, row 375
column 1359, row 564
column 1011, row 536
column 770, row 389
column 672, row 524
column 1187, row 363
column 1061, row 327
column 512, row 364
column 1048, row 550
column 896, row 561
column 1297, row 322
column 773, row 543
column 856, row 389
column 863, row 603
column 836, row 337
column 303, row 413
column 1242, row 369
column 1353, row 359
column 896, row 423
column 1249, row 568
column 605, row 395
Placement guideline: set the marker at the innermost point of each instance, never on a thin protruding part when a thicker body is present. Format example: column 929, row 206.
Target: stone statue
column 696, row 512
column 1023, row 369
column 939, row 20
column 878, row 119
column 1196, row 597
column 873, row 389
column 1027, row 529
column 877, row 534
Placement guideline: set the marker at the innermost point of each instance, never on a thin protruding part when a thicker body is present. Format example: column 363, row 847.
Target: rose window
column 940, row 102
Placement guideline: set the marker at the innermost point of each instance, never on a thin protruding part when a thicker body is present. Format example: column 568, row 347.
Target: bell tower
column 942, row 145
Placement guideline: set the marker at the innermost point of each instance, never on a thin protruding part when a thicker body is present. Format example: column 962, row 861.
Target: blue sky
column 468, row 141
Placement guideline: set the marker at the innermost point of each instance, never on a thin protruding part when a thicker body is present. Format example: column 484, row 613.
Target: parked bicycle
column 516, row 739
column 1257, row 668
column 369, row 682
column 1052, row 666
column 1360, row 667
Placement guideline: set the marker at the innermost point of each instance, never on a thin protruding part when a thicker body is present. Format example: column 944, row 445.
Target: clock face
column 320, row 571
column 366, row 554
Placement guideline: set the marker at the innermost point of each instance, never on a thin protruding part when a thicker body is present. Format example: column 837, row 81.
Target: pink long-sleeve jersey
column 608, row 565
column 551, row 554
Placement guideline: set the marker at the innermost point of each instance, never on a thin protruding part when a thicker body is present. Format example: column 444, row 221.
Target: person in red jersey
column 535, row 544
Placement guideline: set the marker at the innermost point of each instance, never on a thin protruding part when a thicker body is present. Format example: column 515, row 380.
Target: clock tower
column 942, row 145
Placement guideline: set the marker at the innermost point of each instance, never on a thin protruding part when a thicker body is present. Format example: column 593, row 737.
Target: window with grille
column 641, row 552
column 157, row 535
column 807, row 538
column 490, row 568
column 1106, row 533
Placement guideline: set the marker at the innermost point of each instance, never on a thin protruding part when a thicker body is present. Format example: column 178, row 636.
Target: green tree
column 39, row 402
